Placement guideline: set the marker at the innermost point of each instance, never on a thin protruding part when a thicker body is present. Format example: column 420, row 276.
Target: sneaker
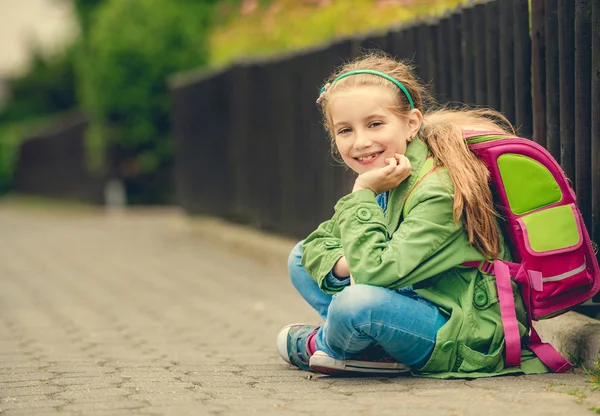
column 291, row 344
column 373, row 360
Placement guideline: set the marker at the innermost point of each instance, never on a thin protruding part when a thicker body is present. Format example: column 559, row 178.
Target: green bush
column 131, row 48
column 45, row 89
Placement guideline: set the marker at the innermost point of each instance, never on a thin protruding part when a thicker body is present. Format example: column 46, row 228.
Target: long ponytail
column 443, row 134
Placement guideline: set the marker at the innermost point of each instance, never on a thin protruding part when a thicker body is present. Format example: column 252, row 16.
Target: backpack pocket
column 551, row 231
column 558, row 272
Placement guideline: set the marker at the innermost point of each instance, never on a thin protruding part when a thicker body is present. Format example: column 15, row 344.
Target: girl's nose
column 362, row 141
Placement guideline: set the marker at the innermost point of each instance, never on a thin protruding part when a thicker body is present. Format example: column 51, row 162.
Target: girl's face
column 366, row 130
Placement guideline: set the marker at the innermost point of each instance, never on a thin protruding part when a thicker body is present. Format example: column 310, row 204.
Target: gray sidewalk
column 150, row 313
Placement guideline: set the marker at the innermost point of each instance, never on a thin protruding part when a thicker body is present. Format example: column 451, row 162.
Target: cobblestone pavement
column 134, row 314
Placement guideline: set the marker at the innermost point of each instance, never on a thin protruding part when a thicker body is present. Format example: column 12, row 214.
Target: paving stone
column 137, row 314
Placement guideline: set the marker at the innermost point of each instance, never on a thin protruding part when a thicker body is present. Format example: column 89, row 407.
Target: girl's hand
column 383, row 179
column 341, row 269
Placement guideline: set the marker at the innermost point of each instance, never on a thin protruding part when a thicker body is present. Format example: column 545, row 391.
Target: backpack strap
column 544, row 351
column 508, row 313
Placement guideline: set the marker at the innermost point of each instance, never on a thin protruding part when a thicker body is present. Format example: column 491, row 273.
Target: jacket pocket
column 474, row 361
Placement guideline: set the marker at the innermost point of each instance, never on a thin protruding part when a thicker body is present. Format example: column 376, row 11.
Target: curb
column 269, row 249
column 575, row 336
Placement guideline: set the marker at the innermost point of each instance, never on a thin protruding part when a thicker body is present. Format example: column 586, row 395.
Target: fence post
column 507, row 61
column 492, row 55
column 595, row 133
column 481, row 97
column 422, row 31
column 468, row 55
column 432, row 56
column 523, row 97
column 455, row 47
column 566, row 47
column 583, row 104
column 443, row 70
column 552, row 73
column 538, row 70
column 239, row 132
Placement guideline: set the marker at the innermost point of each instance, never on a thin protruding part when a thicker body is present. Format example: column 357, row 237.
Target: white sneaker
column 369, row 362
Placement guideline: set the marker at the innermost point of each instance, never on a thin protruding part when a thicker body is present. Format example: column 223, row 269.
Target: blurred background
column 89, row 78
column 209, row 105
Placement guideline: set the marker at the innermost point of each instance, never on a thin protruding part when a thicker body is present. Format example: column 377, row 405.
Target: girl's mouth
column 368, row 159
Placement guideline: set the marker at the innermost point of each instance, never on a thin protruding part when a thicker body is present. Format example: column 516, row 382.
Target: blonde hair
column 442, row 132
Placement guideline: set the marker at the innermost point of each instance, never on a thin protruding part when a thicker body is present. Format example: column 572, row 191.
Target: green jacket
column 423, row 248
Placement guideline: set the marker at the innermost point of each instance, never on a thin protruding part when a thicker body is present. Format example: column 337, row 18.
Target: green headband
column 380, row 74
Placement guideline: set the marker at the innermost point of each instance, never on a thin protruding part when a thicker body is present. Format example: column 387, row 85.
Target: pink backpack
column 554, row 260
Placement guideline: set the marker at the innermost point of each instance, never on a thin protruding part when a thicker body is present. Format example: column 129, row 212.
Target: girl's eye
column 344, row 131
column 376, row 124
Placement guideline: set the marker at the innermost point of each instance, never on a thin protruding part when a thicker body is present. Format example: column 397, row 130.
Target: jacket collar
column 416, row 152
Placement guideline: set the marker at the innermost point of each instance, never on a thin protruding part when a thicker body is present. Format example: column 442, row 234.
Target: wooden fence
column 249, row 144
column 52, row 163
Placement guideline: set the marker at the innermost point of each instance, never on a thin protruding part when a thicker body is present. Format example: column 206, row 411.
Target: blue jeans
column 403, row 323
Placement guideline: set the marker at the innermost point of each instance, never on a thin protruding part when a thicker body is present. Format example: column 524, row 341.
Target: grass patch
column 593, row 375
column 580, row 396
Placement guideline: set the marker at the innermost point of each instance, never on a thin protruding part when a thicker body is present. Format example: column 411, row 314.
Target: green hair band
column 380, row 74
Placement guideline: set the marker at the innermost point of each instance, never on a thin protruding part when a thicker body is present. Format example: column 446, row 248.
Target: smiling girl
column 385, row 272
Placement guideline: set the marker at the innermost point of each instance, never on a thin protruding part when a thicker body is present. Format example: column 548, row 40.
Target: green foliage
column 47, row 87
column 85, row 10
column 132, row 48
column 280, row 25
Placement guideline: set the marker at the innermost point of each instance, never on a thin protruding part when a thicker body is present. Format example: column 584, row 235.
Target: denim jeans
column 403, row 323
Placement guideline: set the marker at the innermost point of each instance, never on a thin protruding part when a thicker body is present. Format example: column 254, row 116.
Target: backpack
column 554, row 261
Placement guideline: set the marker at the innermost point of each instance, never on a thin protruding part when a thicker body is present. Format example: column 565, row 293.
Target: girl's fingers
column 392, row 165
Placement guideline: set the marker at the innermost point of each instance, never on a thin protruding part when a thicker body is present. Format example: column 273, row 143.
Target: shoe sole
column 324, row 364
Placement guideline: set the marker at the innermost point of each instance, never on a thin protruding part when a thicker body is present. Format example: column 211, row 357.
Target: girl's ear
column 415, row 119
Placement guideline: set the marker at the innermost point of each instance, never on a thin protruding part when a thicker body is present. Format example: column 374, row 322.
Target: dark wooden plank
column 595, row 133
column 566, row 46
column 538, row 70
column 456, row 62
column 492, row 55
column 397, row 42
column 552, row 77
column 422, row 33
column 583, row 108
column 468, row 55
column 432, row 57
column 523, row 98
column 507, row 59
column 443, row 69
column 479, row 30
column 239, row 137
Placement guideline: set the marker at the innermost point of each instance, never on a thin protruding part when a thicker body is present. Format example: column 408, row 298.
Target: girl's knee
column 357, row 299
column 295, row 261
column 295, row 256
